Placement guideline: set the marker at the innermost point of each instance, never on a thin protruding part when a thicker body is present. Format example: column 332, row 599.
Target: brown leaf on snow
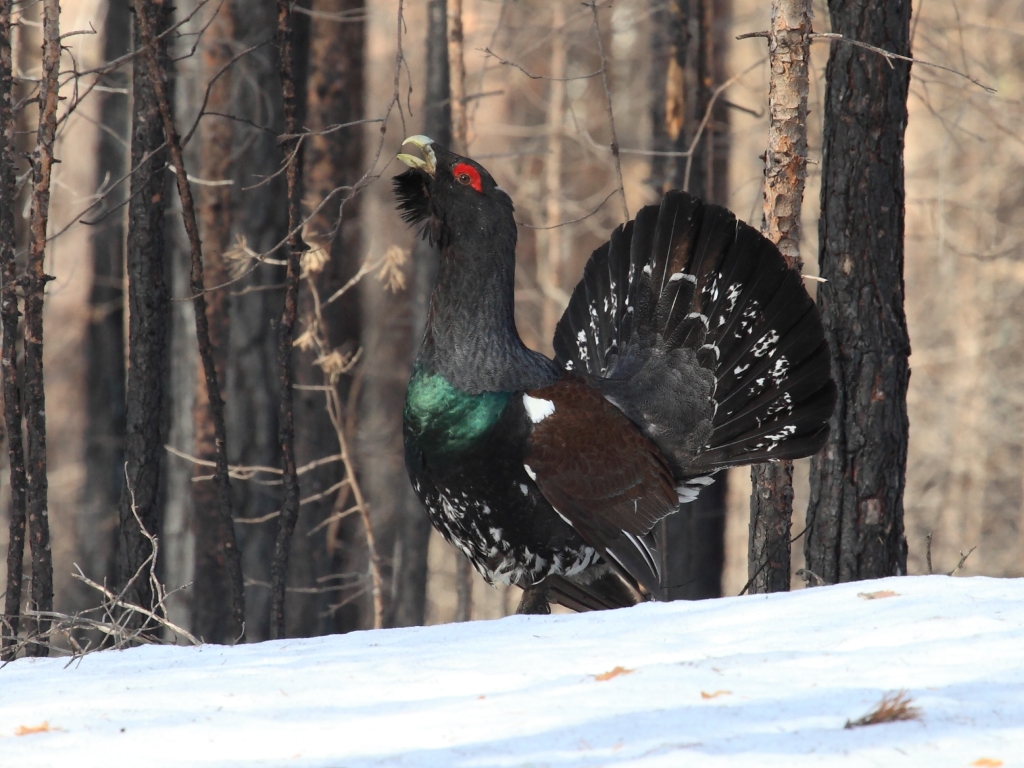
column 878, row 595
column 987, row 762
column 612, row 673
column 892, row 708
column 26, row 730
column 715, row 695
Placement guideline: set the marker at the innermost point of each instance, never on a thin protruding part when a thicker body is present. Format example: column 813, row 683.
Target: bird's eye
column 466, row 174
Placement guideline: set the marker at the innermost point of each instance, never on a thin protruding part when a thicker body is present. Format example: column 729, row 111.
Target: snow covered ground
column 752, row 681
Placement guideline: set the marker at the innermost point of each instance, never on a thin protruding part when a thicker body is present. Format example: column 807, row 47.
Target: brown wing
column 600, row 473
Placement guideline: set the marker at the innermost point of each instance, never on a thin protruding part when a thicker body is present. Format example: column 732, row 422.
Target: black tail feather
column 600, row 588
column 685, row 275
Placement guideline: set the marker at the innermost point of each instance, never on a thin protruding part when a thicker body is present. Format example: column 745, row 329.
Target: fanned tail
column 704, row 337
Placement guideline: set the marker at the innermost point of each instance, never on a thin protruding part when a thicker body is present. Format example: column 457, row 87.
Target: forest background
column 537, row 116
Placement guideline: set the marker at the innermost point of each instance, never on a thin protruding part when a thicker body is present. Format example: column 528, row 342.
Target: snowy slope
column 752, row 681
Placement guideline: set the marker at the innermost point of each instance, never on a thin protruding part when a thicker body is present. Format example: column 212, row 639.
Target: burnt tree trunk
column 855, row 515
column 771, row 503
column 232, row 558
column 689, row 60
column 149, row 320
column 252, row 385
column 292, row 154
column 9, row 317
column 211, row 591
column 333, row 94
column 412, row 535
column 96, row 520
column 35, row 286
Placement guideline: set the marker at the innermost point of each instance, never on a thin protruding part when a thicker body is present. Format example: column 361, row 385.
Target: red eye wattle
column 465, row 173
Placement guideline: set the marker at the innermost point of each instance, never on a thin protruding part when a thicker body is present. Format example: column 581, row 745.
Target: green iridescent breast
column 441, row 418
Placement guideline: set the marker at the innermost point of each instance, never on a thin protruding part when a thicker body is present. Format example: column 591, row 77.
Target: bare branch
column 889, row 56
column 507, row 63
column 608, row 108
column 963, row 559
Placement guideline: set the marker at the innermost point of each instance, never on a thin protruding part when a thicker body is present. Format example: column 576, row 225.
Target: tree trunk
column 9, row 316
column 177, row 547
column 35, row 285
column 292, row 153
column 689, row 59
column 771, row 503
column 149, row 321
column 216, row 212
column 855, row 516
column 331, row 94
column 252, row 401
column 96, row 520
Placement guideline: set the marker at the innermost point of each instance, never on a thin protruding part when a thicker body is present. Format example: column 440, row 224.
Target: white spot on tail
column 538, row 409
column 766, row 344
column 530, row 472
column 731, row 296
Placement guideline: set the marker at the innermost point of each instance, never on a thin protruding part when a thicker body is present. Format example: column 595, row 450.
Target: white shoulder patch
column 537, row 409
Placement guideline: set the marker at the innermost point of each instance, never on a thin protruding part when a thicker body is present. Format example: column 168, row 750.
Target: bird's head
column 452, row 196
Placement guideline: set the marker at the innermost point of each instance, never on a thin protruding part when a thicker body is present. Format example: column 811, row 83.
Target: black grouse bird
column 687, row 347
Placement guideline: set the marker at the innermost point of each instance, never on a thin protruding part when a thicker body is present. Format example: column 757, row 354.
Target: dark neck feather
column 471, row 337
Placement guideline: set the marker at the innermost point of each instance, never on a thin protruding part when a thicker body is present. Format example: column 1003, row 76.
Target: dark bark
column 291, row 151
column 252, row 399
column 149, row 322
column 156, row 77
column 771, row 515
column 35, row 286
column 855, row 516
column 689, row 60
column 212, row 587
column 9, row 317
column 96, row 521
column 333, row 94
column 412, row 535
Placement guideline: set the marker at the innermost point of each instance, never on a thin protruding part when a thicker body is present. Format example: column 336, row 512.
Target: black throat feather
column 471, row 337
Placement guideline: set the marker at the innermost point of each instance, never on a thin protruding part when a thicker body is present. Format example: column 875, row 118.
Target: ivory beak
column 428, row 163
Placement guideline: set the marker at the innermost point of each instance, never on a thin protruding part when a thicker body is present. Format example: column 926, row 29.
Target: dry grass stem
column 893, row 708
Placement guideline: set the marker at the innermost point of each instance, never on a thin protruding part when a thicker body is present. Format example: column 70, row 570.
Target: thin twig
column 248, row 471
column 531, row 75
column 889, row 56
column 963, row 559
column 573, row 221
column 608, row 108
column 928, row 552
column 121, row 603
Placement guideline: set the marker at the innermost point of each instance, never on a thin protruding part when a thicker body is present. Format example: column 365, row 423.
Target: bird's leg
column 535, row 600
